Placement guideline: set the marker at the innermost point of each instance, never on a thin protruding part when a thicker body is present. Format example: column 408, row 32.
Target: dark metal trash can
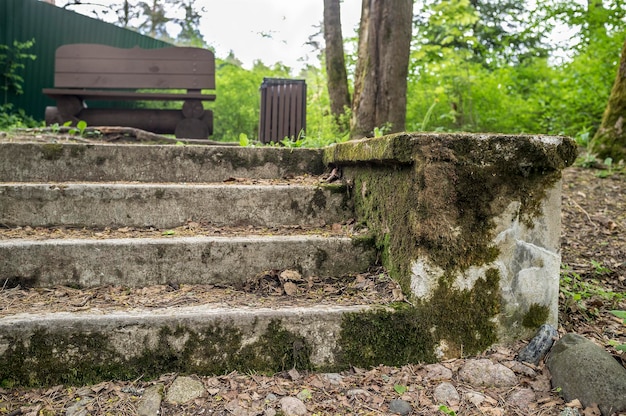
column 283, row 109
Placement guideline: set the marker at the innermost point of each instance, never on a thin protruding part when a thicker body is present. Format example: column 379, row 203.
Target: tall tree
column 155, row 18
column 190, row 25
column 382, row 67
column 335, row 61
column 610, row 139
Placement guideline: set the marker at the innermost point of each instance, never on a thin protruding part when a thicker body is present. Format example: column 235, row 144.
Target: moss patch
column 84, row 358
column 385, row 337
column 411, row 334
column 443, row 206
column 536, row 316
column 52, row 151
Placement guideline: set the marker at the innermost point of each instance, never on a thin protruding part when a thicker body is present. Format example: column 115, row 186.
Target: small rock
column 539, row 346
column 150, row 403
column 485, row 373
column 569, row 411
column 183, row 390
column 522, row 398
column 357, row 392
column 475, row 398
column 270, row 397
column 333, row 378
column 445, row 393
column 521, row 368
column 269, row 412
column 437, row 372
column 400, row 407
column 585, row 371
column 78, row 408
column 292, row 406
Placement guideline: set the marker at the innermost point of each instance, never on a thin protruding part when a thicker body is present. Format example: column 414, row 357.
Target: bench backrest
column 102, row 66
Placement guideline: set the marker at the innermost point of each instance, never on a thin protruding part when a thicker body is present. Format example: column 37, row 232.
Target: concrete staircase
column 159, row 219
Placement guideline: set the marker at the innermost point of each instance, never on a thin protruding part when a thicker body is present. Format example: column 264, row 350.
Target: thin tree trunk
column 382, row 67
column 610, row 139
column 335, row 61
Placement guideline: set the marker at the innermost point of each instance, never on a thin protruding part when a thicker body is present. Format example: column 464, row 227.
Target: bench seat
column 105, row 73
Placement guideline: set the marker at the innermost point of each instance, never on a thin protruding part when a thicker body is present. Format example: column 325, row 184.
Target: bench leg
column 68, row 108
column 197, row 122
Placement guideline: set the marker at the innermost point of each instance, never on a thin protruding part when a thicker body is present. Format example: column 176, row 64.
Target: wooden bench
column 104, row 73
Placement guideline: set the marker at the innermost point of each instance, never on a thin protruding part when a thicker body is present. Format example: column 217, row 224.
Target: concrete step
column 62, row 335
column 85, row 348
column 170, row 205
column 69, row 162
column 137, row 262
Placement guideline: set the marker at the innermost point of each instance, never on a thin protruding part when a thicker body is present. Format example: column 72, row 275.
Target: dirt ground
column 593, row 283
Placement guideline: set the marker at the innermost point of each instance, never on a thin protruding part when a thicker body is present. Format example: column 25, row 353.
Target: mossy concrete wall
column 469, row 224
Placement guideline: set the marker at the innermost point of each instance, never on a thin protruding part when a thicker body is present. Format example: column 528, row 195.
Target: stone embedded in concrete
column 193, row 260
column 71, row 162
column 583, row 370
column 169, row 205
column 451, row 211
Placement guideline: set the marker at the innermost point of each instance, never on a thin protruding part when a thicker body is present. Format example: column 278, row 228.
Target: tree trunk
column 335, row 61
column 382, row 67
column 610, row 139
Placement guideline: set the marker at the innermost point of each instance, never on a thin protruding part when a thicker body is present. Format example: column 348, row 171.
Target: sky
column 269, row 30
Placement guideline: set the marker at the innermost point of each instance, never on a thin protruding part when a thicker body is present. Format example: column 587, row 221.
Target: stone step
column 76, row 336
column 137, row 262
column 171, row 205
column 69, row 162
column 82, row 348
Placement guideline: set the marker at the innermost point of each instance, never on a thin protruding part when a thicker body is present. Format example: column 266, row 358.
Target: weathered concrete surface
column 170, row 205
column 201, row 260
column 37, row 162
column 469, row 225
column 83, row 348
column 585, row 371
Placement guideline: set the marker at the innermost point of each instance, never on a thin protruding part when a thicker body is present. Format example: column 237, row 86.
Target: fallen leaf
column 291, row 276
column 290, row 289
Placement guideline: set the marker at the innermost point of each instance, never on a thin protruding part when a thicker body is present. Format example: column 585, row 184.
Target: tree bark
column 335, row 61
column 610, row 139
column 382, row 67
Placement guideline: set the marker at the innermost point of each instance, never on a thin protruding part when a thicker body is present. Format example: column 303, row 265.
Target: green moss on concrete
column 462, row 319
column 384, row 337
column 84, row 358
column 443, row 206
column 52, row 151
column 536, row 316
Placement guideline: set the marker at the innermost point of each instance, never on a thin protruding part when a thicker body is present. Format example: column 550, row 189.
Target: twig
column 583, row 210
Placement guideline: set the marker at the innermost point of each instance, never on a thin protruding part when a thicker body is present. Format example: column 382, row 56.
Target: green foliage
column 11, row 118
column 12, row 60
column 578, row 289
column 620, row 315
column 446, row 410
